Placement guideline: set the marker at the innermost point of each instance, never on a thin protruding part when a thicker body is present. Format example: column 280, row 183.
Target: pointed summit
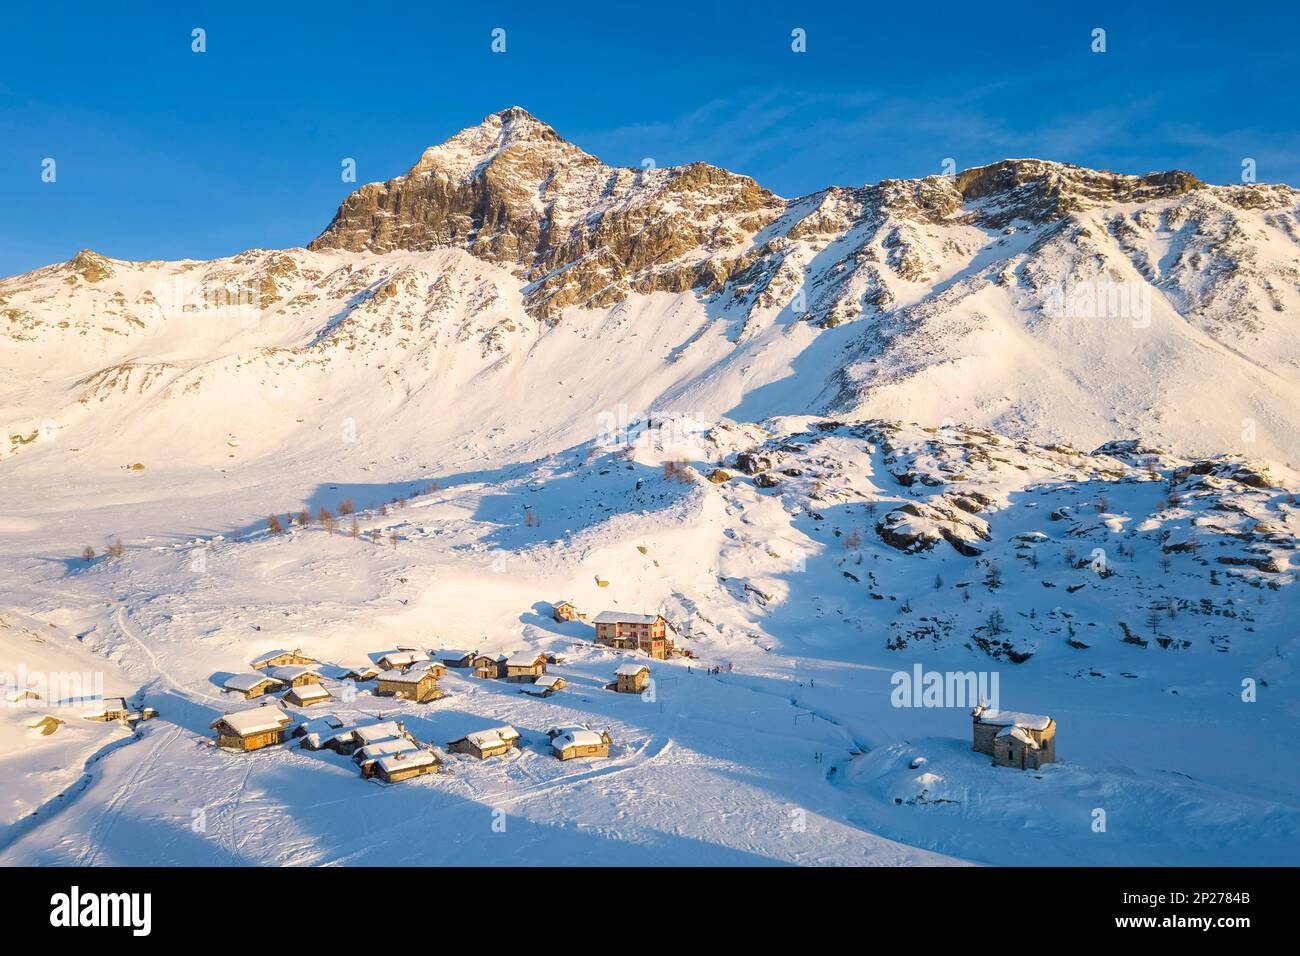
column 517, row 123
column 487, row 183
column 511, row 190
column 90, row 265
column 507, row 128
column 512, row 132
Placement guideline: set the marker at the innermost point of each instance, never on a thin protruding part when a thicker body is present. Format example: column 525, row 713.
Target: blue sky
column 166, row 153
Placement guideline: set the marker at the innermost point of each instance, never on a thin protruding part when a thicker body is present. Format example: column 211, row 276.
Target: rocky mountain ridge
column 1038, row 298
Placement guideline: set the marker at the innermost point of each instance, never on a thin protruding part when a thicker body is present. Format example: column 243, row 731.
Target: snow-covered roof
column 493, row 737
column 1019, row 734
column 622, row 617
column 318, row 730
column 407, row 760
column 94, row 708
column 382, row 731
column 564, row 729
column 106, row 704
column 398, row 676
column 322, row 724
column 310, row 692
column 631, row 670
column 547, row 680
column 403, row 658
column 559, row 604
column 453, row 654
column 264, row 659
column 525, row 659
column 247, row 682
column 255, row 721
column 385, row 748
column 1011, row 718
column 577, row 738
column 288, row 672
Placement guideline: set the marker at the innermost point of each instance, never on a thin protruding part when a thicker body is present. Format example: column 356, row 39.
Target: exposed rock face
column 919, row 526
column 751, row 464
column 512, row 191
column 1228, row 467
column 90, row 265
column 942, row 299
column 898, row 257
column 497, row 189
column 1037, row 191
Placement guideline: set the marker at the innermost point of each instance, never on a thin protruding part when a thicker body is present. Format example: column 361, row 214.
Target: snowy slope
column 1031, row 421
column 805, row 597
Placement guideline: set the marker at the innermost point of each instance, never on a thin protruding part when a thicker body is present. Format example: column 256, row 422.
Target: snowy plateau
column 1033, row 423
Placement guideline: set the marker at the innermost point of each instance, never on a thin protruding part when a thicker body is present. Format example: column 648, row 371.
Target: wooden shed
column 282, row 658
column 253, row 684
column 349, row 742
column 306, row 695
column 402, row 658
column 295, row 675
column 252, row 729
column 419, row 684
column 455, row 657
column 109, row 708
column 564, row 611
column 580, row 743
column 316, row 734
column 631, row 678
column 404, row 766
column 366, row 757
column 486, row 743
column 490, row 666
column 366, row 672
column 545, row 686
column 525, row 666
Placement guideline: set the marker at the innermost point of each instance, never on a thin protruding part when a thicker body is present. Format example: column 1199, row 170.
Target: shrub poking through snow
column 679, row 471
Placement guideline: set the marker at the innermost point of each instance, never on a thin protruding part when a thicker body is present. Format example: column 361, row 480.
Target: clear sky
column 162, row 152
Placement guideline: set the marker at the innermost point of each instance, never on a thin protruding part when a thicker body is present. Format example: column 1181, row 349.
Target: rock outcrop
column 512, row 191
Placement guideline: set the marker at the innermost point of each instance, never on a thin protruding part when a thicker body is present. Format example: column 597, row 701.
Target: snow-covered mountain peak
column 833, row 440
column 512, row 191
column 514, row 134
column 1043, row 299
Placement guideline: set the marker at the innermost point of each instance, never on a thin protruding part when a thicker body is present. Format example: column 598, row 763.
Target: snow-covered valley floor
column 777, row 742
